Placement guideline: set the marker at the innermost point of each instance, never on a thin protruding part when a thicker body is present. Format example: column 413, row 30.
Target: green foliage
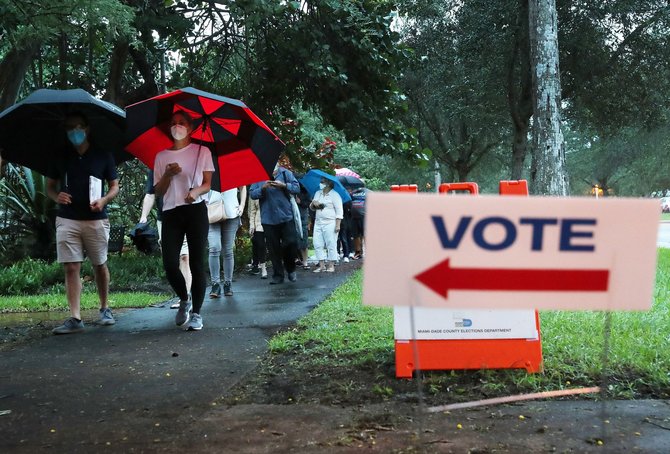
column 27, row 227
column 126, row 207
column 29, row 276
column 129, row 271
column 344, row 61
column 622, row 164
column 453, row 82
column 340, row 327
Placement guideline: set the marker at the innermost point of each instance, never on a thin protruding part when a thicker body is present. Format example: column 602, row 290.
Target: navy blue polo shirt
column 73, row 171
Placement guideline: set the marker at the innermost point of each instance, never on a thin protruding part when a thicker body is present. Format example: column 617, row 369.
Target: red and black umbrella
column 245, row 148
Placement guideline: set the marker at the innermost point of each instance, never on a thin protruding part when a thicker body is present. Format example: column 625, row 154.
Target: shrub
column 29, row 276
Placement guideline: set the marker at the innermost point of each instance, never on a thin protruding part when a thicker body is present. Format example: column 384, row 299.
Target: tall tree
column 456, row 96
column 31, row 29
column 548, row 171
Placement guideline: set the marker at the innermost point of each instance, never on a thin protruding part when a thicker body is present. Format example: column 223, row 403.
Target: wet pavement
column 66, row 393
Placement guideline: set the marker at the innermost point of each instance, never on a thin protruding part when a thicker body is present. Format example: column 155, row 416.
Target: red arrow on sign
column 441, row 278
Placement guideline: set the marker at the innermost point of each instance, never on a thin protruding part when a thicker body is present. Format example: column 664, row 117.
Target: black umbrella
column 32, row 134
column 349, row 181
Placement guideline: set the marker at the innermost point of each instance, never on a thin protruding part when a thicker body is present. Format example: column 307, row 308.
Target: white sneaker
column 345, row 260
column 195, row 324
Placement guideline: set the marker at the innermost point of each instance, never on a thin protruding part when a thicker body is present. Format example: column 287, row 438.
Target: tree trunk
column 519, row 91
column 62, row 61
column 116, row 68
column 13, row 68
column 548, row 170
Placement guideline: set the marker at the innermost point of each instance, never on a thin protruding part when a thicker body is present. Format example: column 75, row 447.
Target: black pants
column 258, row 248
column 189, row 220
column 344, row 240
column 282, row 246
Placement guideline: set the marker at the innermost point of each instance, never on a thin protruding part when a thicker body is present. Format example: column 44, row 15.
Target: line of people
column 181, row 186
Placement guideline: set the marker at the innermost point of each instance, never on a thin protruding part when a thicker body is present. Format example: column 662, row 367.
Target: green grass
column 665, row 216
column 89, row 300
column 340, row 327
column 341, row 332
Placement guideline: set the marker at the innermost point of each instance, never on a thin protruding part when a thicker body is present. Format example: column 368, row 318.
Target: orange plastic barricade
column 472, row 188
column 404, row 188
column 513, row 187
column 449, row 354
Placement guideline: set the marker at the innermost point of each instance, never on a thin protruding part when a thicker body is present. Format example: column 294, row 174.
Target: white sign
column 432, row 323
column 94, row 189
column 494, row 252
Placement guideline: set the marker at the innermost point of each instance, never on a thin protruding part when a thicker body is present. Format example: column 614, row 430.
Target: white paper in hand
column 94, row 189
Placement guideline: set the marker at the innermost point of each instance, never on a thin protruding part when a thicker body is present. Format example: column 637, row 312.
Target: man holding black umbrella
column 75, row 183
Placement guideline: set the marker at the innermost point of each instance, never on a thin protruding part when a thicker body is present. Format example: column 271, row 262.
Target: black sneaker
column 216, row 290
column 277, row 280
column 292, row 276
column 227, row 289
column 255, row 270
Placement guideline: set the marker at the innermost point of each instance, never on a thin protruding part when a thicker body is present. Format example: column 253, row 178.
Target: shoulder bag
column 216, row 212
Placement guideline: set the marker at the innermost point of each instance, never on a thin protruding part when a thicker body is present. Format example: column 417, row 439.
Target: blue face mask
column 76, row 136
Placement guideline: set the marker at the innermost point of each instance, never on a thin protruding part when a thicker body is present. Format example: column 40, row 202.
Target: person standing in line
column 277, row 220
column 357, row 226
column 147, row 204
column 182, row 176
column 303, row 199
column 82, row 226
column 258, row 249
column 225, row 232
column 327, row 204
column 344, row 237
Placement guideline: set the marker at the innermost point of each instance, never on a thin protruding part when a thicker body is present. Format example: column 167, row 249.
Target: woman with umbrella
column 182, row 176
column 327, row 205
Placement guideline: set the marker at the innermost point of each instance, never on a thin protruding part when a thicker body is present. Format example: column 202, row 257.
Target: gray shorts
column 76, row 240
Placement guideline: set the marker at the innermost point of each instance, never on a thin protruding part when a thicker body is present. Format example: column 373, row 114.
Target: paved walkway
column 63, row 393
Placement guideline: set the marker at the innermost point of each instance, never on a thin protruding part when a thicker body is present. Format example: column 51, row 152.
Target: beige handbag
column 216, row 212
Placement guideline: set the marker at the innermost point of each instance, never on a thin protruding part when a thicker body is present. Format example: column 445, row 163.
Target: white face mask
column 179, row 132
column 322, row 186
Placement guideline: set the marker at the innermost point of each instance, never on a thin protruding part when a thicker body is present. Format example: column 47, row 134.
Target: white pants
column 325, row 241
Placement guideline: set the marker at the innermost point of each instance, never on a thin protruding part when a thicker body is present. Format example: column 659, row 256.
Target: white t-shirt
column 189, row 177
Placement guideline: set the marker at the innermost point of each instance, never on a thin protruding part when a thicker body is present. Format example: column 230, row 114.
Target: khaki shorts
column 184, row 245
column 76, row 240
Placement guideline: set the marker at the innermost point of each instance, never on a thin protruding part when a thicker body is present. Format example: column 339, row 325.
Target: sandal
column 318, row 270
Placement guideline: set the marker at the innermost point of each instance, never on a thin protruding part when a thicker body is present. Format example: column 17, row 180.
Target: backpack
column 358, row 203
column 145, row 238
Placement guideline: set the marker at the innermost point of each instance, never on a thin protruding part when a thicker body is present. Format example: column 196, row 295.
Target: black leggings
column 189, row 220
column 258, row 248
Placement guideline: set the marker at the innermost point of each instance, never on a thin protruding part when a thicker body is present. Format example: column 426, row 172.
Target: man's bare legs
column 73, row 288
